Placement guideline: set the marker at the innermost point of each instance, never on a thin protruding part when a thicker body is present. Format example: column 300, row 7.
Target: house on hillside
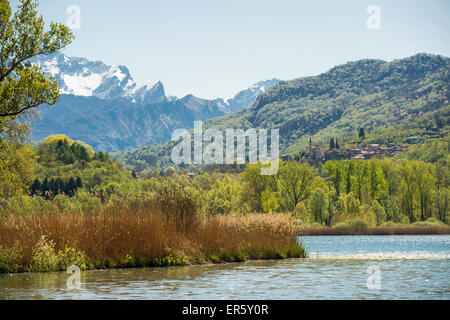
column 413, row 140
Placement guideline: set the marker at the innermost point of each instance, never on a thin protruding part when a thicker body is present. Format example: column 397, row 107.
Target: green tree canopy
column 24, row 86
column 361, row 133
column 295, row 181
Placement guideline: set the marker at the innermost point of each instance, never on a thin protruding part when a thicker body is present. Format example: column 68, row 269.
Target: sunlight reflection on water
column 411, row 267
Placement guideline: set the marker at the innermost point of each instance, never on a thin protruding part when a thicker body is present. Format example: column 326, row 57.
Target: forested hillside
column 367, row 93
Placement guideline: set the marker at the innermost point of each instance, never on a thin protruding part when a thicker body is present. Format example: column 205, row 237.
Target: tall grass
column 129, row 233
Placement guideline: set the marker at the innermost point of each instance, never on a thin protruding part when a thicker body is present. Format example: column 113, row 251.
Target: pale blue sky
column 216, row 48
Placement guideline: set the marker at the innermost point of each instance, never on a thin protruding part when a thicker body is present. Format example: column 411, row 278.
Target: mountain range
column 104, row 107
column 367, row 94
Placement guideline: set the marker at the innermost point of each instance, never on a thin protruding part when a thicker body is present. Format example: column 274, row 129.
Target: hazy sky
column 216, row 48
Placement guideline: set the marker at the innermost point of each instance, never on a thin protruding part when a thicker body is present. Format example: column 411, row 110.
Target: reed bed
column 397, row 230
column 131, row 235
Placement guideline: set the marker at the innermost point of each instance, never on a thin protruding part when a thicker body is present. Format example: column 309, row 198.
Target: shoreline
column 373, row 231
column 296, row 251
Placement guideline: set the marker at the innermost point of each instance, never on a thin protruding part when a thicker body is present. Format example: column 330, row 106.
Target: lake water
column 338, row 267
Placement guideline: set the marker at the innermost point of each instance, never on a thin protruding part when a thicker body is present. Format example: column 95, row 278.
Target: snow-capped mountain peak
column 81, row 77
column 126, row 115
column 246, row 97
column 150, row 94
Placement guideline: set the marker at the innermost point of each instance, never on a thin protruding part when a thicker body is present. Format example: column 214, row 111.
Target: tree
column 347, row 208
column 332, row 143
column 391, row 207
column 79, row 152
column 102, row 156
column 222, row 196
column 295, row 180
column 71, row 187
column 379, row 211
column 66, row 156
column 45, row 188
column 271, row 201
column 24, row 86
column 360, row 170
column 441, row 199
column 441, row 195
column 424, row 181
column 376, row 179
column 408, row 189
column 361, row 134
column 253, row 186
column 35, row 188
column 391, row 173
column 335, row 170
column 318, row 206
column 349, row 174
column 53, row 187
column 79, row 183
column 301, row 212
column 16, row 168
column 59, row 185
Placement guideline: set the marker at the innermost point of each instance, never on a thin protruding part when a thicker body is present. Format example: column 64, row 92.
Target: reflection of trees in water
column 32, row 282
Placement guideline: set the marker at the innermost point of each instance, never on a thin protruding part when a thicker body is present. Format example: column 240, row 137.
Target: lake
column 338, row 267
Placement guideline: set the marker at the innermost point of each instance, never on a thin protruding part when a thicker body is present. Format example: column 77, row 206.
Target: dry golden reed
column 131, row 229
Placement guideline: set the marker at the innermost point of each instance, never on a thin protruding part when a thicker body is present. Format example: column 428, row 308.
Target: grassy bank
column 132, row 235
column 399, row 230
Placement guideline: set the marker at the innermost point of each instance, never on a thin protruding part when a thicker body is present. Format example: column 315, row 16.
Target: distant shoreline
column 406, row 230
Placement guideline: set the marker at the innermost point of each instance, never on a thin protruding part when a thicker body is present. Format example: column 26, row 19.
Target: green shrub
column 105, row 264
column 315, row 225
column 71, row 256
column 240, row 257
column 355, row 224
column 341, row 225
column 431, row 222
column 390, row 224
column 435, row 220
column 44, row 257
column 404, row 220
column 213, row 258
column 168, row 261
column 296, row 251
column 132, row 262
column 10, row 260
column 226, row 257
column 358, row 224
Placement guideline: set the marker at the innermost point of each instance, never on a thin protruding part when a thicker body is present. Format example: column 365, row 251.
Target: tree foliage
column 24, row 86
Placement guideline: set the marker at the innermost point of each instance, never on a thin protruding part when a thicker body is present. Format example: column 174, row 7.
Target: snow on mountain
column 82, row 77
column 103, row 106
column 80, row 84
column 245, row 98
column 150, row 94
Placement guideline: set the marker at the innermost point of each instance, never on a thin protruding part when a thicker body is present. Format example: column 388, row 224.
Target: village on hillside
column 323, row 153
